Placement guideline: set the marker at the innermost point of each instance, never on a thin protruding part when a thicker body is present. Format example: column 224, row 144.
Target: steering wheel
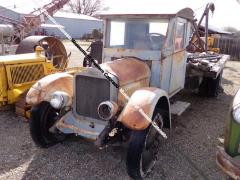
column 157, row 40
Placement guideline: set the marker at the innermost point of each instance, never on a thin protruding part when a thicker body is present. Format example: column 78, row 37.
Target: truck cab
column 157, row 39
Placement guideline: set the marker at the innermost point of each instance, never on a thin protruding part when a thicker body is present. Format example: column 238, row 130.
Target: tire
column 143, row 143
column 202, row 90
column 43, row 116
column 209, row 87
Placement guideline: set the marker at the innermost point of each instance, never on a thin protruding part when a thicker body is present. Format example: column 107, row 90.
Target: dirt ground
column 76, row 57
column 188, row 153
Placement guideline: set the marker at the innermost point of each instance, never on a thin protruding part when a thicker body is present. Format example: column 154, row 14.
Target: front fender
column 43, row 89
column 147, row 99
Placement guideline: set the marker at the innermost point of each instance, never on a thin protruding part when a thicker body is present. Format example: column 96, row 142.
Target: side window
column 179, row 36
column 158, row 27
column 117, row 34
column 157, row 33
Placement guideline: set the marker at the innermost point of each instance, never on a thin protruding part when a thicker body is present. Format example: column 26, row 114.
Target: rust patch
column 55, row 45
column 127, row 70
column 131, row 116
column 43, row 89
column 134, row 120
column 130, row 89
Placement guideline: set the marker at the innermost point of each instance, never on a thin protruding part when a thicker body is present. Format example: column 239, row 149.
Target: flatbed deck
column 206, row 66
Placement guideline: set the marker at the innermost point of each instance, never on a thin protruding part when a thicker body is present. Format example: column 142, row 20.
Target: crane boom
column 33, row 19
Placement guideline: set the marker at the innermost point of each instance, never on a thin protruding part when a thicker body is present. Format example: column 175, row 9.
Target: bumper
column 70, row 124
column 228, row 164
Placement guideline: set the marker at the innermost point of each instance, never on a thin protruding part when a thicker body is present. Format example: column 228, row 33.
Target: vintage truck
column 145, row 55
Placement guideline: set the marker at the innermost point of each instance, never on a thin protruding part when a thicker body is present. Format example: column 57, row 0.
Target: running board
column 178, row 107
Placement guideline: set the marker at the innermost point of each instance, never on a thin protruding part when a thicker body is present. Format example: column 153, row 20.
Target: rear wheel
column 43, row 117
column 143, row 149
column 210, row 87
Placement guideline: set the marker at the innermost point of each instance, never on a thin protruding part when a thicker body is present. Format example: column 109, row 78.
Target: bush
column 97, row 34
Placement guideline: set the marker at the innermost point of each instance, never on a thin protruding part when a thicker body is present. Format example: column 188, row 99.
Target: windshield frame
column 130, row 22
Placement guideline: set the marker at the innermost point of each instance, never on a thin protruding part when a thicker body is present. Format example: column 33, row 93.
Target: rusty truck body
column 145, row 55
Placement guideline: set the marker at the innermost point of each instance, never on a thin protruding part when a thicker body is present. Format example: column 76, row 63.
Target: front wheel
column 143, row 149
column 43, row 117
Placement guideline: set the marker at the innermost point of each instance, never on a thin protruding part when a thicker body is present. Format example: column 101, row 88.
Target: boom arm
column 199, row 44
column 34, row 19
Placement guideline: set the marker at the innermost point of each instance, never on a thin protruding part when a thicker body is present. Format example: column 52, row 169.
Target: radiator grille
column 26, row 73
column 90, row 92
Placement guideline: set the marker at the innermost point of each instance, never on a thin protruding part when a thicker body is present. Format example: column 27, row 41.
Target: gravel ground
column 188, row 153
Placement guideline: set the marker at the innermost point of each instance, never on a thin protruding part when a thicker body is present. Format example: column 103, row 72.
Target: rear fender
column 43, row 89
column 148, row 99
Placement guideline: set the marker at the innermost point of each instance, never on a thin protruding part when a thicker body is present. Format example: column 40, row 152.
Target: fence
column 228, row 45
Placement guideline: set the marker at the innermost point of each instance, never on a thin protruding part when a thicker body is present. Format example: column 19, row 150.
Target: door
column 178, row 65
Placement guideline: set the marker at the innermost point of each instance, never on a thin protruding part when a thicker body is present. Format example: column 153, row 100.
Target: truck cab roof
column 186, row 13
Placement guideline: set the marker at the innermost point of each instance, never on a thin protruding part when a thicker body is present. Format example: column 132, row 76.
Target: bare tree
column 88, row 7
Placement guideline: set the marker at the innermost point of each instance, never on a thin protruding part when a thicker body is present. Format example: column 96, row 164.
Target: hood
column 127, row 70
column 21, row 58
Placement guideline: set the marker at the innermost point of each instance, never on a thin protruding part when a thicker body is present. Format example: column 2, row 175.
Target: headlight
column 236, row 114
column 107, row 109
column 60, row 99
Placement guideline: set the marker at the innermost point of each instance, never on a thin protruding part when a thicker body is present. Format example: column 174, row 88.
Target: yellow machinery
column 211, row 43
column 20, row 71
column 198, row 43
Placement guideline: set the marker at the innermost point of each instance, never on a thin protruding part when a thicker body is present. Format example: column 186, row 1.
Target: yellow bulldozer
column 36, row 57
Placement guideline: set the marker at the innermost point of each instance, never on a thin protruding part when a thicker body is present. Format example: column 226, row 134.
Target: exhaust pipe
column 107, row 109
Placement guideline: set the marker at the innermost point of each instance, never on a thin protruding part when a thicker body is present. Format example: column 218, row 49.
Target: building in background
column 75, row 24
column 9, row 13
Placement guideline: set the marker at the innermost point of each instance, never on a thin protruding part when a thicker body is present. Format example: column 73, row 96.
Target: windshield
column 137, row 34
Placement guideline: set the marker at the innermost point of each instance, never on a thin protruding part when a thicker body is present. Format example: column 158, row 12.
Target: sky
column 227, row 13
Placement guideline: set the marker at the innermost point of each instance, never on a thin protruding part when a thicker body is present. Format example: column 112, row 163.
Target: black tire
column 143, row 143
column 209, row 87
column 43, row 116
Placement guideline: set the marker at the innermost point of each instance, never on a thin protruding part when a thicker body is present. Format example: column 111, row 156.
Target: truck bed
column 206, row 65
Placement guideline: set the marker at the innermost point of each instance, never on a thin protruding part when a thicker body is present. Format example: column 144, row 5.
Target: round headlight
column 60, row 99
column 57, row 101
column 236, row 114
column 107, row 109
